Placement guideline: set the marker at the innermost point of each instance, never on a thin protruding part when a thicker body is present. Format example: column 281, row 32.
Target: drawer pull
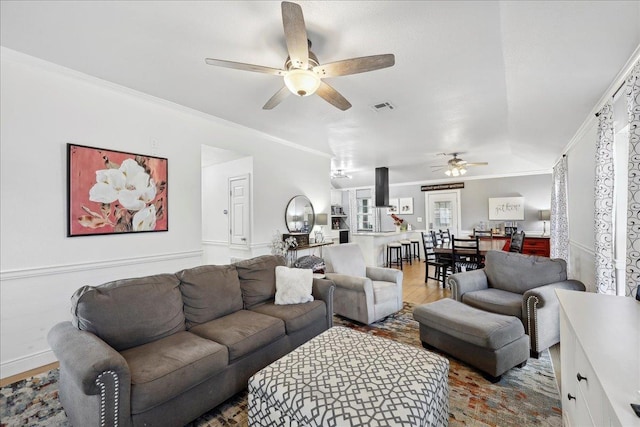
column 580, row 377
column 569, row 396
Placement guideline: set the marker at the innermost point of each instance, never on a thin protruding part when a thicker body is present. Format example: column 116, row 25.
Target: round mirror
column 299, row 215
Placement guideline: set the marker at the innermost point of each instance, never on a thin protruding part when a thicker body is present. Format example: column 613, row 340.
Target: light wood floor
column 414, row 290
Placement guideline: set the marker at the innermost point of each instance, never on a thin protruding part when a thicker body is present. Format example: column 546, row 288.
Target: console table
column 600, row 353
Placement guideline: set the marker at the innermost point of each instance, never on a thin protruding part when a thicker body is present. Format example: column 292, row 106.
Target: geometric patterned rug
column 523, row 397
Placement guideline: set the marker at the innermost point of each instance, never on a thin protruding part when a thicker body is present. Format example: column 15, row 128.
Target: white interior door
column 240, row 210
column 443, row 210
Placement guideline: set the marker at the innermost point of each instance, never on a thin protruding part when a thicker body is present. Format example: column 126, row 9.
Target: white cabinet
column 600, row 354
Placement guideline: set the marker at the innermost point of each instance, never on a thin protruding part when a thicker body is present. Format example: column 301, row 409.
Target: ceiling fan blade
column 277, row 98
column 295, row 34
column 245, row 67
column 477, row 164
column 355, row 65
column 333, row 97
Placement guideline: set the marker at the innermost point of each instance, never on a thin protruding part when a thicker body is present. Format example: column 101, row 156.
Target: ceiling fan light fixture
column 302, row 82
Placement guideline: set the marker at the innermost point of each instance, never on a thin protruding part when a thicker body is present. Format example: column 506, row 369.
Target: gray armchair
column 518, row 285
column 362, row 293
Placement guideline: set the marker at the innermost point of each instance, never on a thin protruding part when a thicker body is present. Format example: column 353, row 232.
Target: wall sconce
column 544, row 215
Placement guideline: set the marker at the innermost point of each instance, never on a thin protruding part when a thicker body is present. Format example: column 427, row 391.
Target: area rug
column 524, row 397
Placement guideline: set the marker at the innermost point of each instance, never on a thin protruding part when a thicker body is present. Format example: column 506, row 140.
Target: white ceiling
column 505, row 82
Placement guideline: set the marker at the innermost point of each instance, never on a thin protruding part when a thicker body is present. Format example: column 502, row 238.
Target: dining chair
column 517, row 242
column 439, row 240
column 431, row 260
column 446, row 235
column 465, row 254
column 482, row 233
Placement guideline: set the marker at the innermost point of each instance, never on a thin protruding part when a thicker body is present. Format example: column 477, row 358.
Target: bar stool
column 406, row 250
column 415, row 246
column 394, row 248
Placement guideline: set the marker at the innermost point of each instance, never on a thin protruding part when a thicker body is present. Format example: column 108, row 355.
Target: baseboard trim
column 24, row 364
column 85, row 266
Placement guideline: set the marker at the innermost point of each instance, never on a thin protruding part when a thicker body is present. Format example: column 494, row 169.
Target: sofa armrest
column 547, row 294
column 323, row 290
column 92, row 368
column 383, row 274
column 353, row 283
column 85, row 357
column 468, row 281
column 541, row 313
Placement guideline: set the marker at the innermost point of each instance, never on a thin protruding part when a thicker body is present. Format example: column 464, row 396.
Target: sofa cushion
column 293, row 285
column 258, row 278
column 296, row 316
column 518, row 273
column 479, row 327
column 163, row 369
column 384, row 291
column 209, row 292
column 495, row 301
column 242, row 331
column 130, row 312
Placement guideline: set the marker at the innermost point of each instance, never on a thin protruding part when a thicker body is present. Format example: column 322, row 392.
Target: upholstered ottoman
column 344, row 377
column 493, row 343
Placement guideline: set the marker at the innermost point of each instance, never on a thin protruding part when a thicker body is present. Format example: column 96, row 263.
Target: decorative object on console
column 293, row 285
column 544, row 216
column 113, row 192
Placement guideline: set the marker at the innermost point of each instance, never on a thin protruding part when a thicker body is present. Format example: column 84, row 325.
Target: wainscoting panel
column 582, row 265
column 35, row 299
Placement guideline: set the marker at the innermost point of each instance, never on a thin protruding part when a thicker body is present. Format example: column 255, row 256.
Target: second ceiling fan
column 456, row 166
column 302, row 71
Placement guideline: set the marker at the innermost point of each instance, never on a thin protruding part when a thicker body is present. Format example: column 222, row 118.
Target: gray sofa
column 518, row 285
column 162, row 350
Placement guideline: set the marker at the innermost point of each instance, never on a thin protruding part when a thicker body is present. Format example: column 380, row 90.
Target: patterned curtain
column 352, row 215
column 559, row 213
column 633, row 204
column 605, row 272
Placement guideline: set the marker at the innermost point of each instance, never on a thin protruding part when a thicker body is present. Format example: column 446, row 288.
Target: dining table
column 485, row 245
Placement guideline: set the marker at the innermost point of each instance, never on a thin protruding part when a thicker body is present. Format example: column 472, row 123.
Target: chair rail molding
column 23, row 273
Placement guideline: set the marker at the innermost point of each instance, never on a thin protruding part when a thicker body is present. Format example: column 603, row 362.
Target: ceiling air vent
column 383, row 106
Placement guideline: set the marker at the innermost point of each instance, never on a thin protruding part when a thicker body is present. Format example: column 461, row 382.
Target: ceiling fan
column 302, row 71
column 339, row 174
column 456, row 166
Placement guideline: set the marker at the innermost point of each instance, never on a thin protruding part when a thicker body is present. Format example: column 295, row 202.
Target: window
column 365, row 214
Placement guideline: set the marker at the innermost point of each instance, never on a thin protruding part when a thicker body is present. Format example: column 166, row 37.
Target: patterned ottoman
column 348, row 378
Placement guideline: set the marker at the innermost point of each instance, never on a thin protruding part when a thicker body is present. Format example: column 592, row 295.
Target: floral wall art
column 115, row 192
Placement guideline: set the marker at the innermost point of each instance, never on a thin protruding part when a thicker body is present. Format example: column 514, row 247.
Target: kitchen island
column 374, row 244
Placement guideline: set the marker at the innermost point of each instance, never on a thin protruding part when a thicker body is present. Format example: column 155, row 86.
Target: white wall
column 43, row 107
column 581, row 164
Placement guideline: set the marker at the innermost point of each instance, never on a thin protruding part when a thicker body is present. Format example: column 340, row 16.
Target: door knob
column 580, row 377
column 244, row 239
column 569, row 396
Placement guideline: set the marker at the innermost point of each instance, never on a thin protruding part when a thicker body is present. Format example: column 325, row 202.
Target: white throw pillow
column 293, row 285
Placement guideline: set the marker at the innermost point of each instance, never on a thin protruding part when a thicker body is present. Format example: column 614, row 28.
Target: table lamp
column 544, row 215
column 322, row 219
